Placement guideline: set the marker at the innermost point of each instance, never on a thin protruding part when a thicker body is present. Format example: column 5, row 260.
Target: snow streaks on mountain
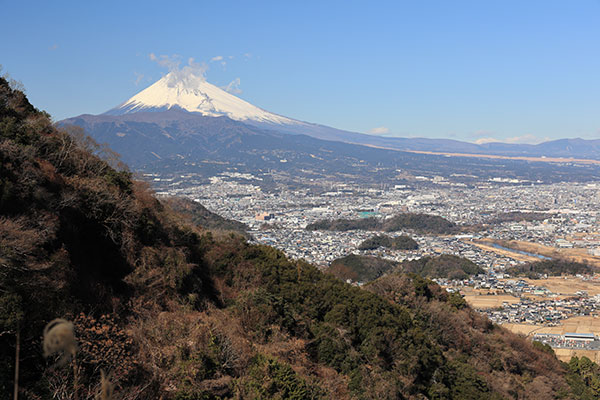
column 194, row 94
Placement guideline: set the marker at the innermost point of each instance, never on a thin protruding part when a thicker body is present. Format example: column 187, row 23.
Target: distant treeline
column 367, row 268
column 422, row 223
column 403, row 242
column 517, row 216
column 551, row 268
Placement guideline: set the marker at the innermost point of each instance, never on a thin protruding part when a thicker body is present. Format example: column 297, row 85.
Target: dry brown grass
column 489, row 301
column 583, row 324
column 566, row 354
column 567, row 285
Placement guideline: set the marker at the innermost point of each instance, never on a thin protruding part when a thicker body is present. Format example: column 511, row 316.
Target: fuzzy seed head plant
column 59, row 338
column 106, row 388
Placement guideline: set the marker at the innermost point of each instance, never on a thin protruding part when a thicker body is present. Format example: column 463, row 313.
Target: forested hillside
column 358, row 268
column 170, row 310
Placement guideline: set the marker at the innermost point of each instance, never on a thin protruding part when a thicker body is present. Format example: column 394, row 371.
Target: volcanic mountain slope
column 184, row 90
column 183, row 124
column 193, row 93
column 180, row 142
column 176, row 312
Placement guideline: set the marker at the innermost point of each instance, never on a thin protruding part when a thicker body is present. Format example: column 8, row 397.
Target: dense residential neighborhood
column 564, row 217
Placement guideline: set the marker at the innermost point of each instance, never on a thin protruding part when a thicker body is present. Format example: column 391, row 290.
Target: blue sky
column 519, row 71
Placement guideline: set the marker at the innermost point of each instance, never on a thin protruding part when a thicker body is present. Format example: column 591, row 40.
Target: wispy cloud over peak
column 188, row 75
column 233, row 86
column 380, row 130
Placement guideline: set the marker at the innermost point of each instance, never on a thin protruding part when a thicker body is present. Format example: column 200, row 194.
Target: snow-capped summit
column 194, row 94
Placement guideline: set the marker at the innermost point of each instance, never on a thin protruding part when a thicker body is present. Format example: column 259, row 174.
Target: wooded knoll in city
column 364, row 268
column 174, row 311
column 402, row 242
column 421, row 223
column 550, row 268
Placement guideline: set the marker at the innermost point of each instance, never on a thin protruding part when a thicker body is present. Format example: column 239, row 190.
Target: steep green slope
column 175, row 312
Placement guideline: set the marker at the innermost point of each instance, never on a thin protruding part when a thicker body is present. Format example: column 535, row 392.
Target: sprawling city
column 547, row 220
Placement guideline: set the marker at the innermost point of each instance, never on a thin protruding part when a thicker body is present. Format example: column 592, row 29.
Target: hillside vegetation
column 173, row 311
column 359, row 268
column 197, row 214
column 421, row 223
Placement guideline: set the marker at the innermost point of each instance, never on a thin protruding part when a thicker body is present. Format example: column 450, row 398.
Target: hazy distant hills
column 183, row 124
column 564, row 148
column 178, row 141
column 191, row 93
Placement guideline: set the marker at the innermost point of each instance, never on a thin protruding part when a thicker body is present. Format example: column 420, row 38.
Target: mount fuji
column 183, row 123
column 194, row 94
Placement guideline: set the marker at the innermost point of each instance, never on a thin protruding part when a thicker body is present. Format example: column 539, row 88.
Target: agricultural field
column 566, row 285
column 485, row 299
column 574, row 254
column 586, row 324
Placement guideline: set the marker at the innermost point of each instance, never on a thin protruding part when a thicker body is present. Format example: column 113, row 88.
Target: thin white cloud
column 138, row 77
column 169, row 62
column 524, row 139
column 487, row 140
column 527, row 139
column 380, row 130
column 233, row 86
column 220, row 60
column 189, row 74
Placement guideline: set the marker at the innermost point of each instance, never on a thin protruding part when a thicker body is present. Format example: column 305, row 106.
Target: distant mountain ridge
column 193, row 94
column 182, row 124
column 178, row 142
